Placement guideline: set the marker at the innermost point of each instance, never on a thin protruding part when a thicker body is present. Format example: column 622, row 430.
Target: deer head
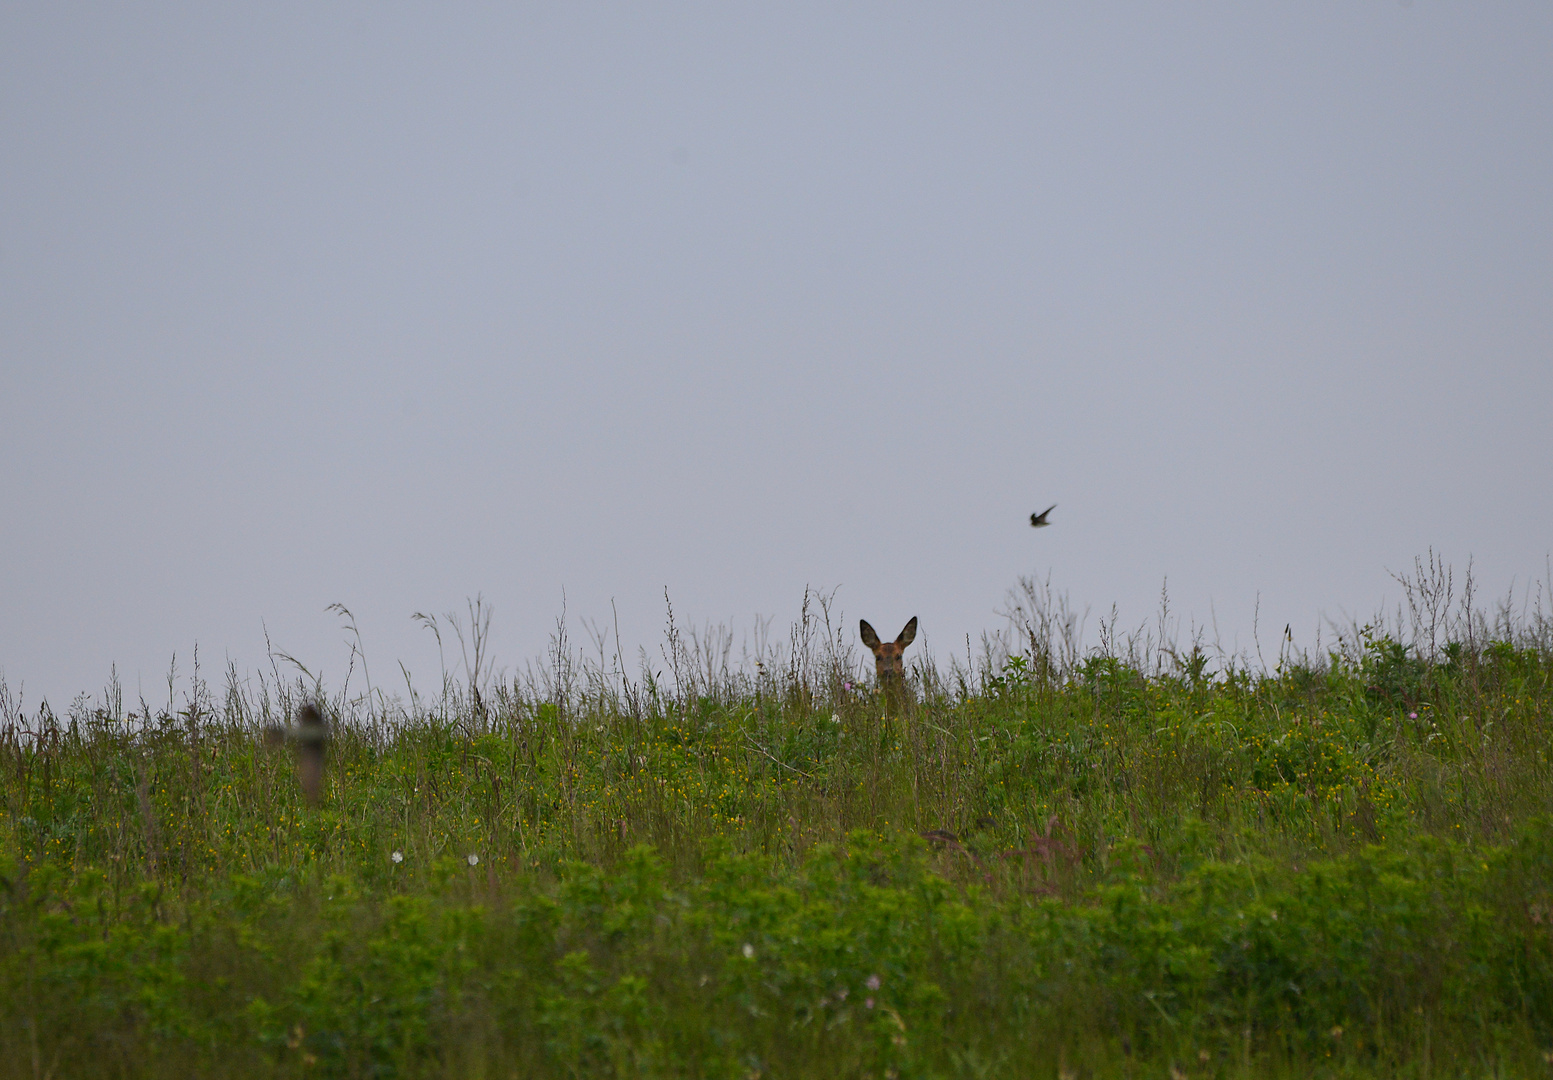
column 887, row 655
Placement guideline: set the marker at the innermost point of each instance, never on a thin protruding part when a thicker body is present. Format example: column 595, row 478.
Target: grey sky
column 390, row 304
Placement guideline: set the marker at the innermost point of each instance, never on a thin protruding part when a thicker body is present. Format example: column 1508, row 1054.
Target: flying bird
column 309, row 737
column 1039, row 520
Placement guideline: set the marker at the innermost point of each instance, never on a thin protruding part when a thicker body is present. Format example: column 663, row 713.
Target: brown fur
column 888, row 661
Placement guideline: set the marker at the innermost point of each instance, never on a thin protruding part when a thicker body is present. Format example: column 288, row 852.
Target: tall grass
column 1132, row 857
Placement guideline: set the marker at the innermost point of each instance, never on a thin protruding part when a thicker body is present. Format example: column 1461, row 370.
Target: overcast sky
column 390, row 304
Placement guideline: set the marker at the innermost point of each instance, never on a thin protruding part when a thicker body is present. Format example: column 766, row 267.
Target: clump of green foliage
column 1131, row 860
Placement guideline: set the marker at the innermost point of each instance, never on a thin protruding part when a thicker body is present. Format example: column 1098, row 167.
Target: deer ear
column 870, row 638
column 909, row 634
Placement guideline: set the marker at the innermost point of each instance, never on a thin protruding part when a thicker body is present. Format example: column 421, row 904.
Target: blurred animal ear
column 870, row 638
column 909, row 634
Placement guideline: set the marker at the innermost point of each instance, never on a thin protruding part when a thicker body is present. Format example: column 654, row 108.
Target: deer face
column 887, row 654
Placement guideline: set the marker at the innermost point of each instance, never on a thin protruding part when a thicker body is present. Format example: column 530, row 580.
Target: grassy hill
column 1134, row 860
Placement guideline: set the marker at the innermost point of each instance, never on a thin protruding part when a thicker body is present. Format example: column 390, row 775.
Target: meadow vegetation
column 1143, row 857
